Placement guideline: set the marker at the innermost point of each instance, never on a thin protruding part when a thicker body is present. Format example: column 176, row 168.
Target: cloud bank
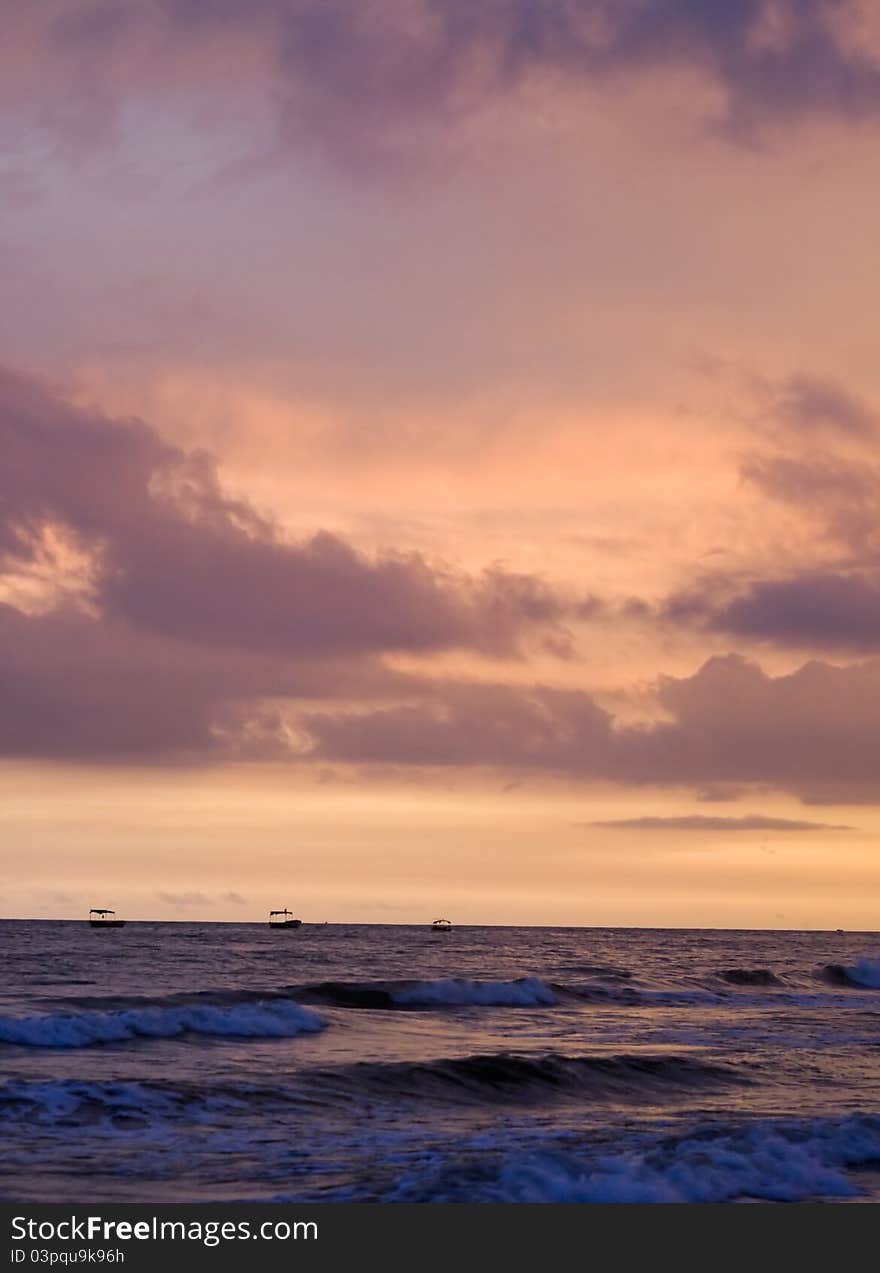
column 150, row 616
column 146, row 612
column 359, row 77
column 812, row 732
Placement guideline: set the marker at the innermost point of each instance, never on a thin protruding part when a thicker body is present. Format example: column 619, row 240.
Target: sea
column 170, row 1062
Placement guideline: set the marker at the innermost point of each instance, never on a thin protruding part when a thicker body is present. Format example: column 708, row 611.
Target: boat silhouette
column 100, row 917
column 283, row 919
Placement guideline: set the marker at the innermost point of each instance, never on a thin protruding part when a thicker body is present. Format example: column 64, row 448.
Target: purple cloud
column 819, row 609
column 358, row 77
column 177, row 556
column 812, row 732
column 196, row 617
column 807, row 404
column 837, row 494
column 201, row 633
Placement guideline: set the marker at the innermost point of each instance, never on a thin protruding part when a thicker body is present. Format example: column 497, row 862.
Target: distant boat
column 100, row 917
column 283, row 919
column 441, row 926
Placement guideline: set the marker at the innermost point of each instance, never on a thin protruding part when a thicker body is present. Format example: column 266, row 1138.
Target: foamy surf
column 269, row 1019
column 789, row 1161
column 496, row 1078
column 527, row 1064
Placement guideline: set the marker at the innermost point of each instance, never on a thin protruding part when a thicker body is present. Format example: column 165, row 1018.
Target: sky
column 439, row 461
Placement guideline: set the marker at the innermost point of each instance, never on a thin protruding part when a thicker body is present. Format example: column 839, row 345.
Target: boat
column 283, row 919
column 441, row 926
column 100, row 917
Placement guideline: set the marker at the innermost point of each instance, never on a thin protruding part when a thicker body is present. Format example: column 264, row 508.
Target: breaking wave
column 525, row 992
column 77, row 1103
column 772, row 1161
column 864, row 974
column 530, row 992
column 449, row 992
column 271, row 1018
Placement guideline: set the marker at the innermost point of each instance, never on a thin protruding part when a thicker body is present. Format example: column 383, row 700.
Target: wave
column 732, row 997
column 75, row 1022
column 270, row 1018
column 864, row 974
column 629, row 997
column 525, row 992
column 449, row 992
column 129, row 1105
column 779, row 1161
column 530, row 992
column 750, row 977
column 75, row 1103
column 347, row 994
column 601, row 972
column 494, row 1078
column 515, row 1078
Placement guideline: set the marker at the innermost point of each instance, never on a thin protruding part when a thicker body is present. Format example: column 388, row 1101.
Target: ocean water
column 206, row 1062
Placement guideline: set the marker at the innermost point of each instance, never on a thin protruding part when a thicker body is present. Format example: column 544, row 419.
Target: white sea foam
column 268, row 1019
column 62, row 1100
column 778, row 1161
column 127, row 1106
column 526, row 992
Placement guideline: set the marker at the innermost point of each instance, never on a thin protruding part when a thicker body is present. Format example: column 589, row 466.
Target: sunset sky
column 439, row 460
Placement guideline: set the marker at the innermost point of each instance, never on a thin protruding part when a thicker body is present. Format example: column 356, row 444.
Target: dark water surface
column 189, row 1062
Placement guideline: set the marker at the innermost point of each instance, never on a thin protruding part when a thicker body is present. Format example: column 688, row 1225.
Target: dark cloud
column 471, row 725
column 77, row 687
column 823, row 610
column 73, row 689
column 321, row 596
column 697, row 822
column 812, row 732
column 348, row 72
column 816, row 609
column 808, row 731
column 193, row 617
column 176, row 555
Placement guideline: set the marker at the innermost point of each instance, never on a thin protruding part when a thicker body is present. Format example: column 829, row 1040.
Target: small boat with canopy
column 283, row 919
column 441, row 926
column 101, row 917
